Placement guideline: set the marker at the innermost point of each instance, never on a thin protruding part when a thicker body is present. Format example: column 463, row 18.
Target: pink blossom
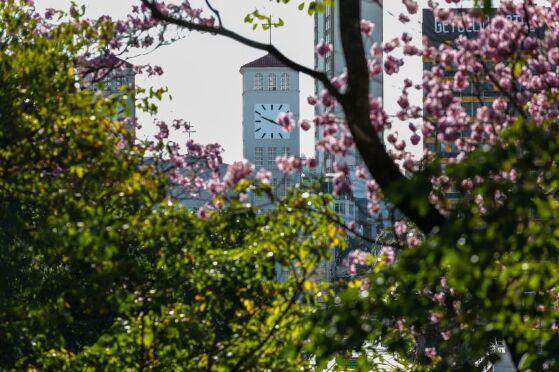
column 440, row 297
column 435, row 318
column 403, row 18
column 409, row 164
column 354, row 259
column 305, row 125
column 358, row 257
column 311, row 163
column 288, row 164
column 163, row 131
column 444, row 282
column 312, row 100
column 411, row 6
column 327, row 99
column 367, row 27
column 388, row 254
column 412, row 240
column 400, row 227
column 415, row 138
column 361, row 173
column 392, row 65
column 49, row 13
column 215, row 186
column 430, row 352
column 285, row 119
column 264, row 176
column 202, row 213
column 237, row 172
column 323, row 48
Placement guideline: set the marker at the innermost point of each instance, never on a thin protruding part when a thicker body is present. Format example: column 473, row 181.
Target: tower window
column 272, row 154
column 285, row 81
column 258, row 82
column 272, row 82
column 259, row 157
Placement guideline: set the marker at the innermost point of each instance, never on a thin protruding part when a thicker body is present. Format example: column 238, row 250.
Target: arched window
column 272, row 82
column 258, row 82
column 285, row 81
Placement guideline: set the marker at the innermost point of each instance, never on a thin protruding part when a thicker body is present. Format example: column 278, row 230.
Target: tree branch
column 220, row 30
column 355, row 103
column 294, row 298
column 356, row 107
column 215, row 11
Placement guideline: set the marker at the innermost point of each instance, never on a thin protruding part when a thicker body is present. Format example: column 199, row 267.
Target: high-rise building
column 351, row 208
column 113, row 76
column 326, row 27
column 478, row 94
column 270, row 89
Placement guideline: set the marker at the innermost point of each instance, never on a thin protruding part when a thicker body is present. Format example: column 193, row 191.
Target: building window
column 339, row 208
column 328, row 66
column 286, row 151
column 275, row 185
column 329, row 162
column 281, row 186
column 285, row 81
column 272, row 154
column 259, row 157
column 121, row 81
column 272, row 82
column 258, row 82
column 284, row 186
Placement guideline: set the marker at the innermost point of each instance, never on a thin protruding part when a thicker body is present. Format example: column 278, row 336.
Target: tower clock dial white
column 266, row 124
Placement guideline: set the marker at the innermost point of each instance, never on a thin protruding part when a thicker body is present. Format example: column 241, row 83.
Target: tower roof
column 107, row 61
column 266, row 61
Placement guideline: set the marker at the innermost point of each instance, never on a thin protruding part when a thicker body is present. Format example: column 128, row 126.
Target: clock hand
column 270, row 120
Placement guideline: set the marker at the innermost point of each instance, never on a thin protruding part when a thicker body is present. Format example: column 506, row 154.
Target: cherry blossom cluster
column 513, row 52
column 355, row 259
column 513, row 57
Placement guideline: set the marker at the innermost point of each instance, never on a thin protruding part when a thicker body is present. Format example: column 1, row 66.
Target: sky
column 202, row 71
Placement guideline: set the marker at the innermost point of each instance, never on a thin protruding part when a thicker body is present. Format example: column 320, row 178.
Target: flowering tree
column 483, row 272
column 99, row 269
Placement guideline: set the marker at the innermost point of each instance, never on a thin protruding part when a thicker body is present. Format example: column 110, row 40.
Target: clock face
column 266, row 121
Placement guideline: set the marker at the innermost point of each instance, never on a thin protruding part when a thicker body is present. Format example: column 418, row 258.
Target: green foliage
column 498, row 255
column 257, row 19
column 98, row 271
column 316, row 6
column 486, row 6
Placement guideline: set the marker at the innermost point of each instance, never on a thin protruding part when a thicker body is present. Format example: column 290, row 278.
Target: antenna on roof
column 189, row 130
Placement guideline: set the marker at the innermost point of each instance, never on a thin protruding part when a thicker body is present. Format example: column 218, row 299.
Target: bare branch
column 215, row 11
column 220, row 30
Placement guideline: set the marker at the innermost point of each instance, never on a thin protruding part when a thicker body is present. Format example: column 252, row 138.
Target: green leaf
column 517, row 70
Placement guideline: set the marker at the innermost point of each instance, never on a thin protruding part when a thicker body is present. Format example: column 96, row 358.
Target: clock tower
column 269, row 89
